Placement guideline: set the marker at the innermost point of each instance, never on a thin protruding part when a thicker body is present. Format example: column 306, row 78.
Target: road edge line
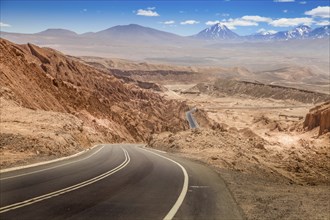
column 48, row 161
column 67, row 189
column 53, row 167
column 170, row 215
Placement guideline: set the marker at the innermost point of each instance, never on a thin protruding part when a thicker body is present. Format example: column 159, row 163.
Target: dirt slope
column 294, row 74
column 224, row 87
column 269, row 180
column 274, row 168
column 43, row 79
column 164, row 74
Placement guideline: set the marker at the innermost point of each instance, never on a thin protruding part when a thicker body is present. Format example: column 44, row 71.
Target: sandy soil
column 29, row 136
column 274, row 168
column 53, row 106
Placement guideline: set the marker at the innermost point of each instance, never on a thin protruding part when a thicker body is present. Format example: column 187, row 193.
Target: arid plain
column 253, row 102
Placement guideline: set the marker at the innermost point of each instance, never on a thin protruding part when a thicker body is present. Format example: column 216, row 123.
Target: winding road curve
column 116, row 182
column 191, row 120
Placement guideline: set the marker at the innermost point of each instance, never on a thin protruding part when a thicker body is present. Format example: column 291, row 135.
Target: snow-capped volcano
column 320, row 32
column 265, row 33
column 261, row 35
column 299, row 32
column 217, row 31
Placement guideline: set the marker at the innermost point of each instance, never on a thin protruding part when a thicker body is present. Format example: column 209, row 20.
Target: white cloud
column 151, row 8
column 323, row 23
column 285, row 11
column 4, row 25
column 244, row 21
column 303, row 2
column 287, row 22
column 263, row 30
column 148, row 13
column 212, row 22
column 232, row 23
column 256, row 18
column 320, row 11
column 189, row 22
column 168, row 22
column 284, row 0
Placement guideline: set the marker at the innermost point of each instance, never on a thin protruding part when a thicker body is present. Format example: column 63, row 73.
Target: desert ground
column 274, row 168
column 52, row 106
column 260, row 135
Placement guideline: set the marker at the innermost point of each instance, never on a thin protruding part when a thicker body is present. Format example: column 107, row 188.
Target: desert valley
column 261, row 102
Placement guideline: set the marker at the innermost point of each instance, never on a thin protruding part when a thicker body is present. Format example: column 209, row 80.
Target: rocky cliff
column 319, row 116
column 45, row 79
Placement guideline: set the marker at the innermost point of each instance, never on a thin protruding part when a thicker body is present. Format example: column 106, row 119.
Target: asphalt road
column 116, row 182
column 191, row 120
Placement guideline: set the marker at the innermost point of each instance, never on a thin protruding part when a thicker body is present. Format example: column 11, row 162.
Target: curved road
column 191, row 120
column 116, row 182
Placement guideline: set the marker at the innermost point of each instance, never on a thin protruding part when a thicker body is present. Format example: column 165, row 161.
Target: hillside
column 268, row 146
column 143, row 44
column 41, row 81
column 258, row 90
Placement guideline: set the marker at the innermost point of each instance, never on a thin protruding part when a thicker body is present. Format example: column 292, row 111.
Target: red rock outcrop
column 42, row 78
column 318, row 116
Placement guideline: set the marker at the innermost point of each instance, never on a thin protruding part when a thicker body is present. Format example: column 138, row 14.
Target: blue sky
column 182, row 17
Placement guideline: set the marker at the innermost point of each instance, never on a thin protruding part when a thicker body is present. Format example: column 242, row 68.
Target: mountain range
column 299, row 32
column 217, row 32
column 221, row 32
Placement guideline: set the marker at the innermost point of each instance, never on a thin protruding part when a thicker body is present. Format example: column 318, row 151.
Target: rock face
column 45, row 79
column 319, row 116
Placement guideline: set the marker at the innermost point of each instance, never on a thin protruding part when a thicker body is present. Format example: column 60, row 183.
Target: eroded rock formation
column 319, row 116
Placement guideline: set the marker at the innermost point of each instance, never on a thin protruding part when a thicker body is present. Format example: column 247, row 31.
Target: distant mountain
column 266, row 33
column 133, row 33
column 57, row 32
column 321, row 32
column 299, row 32
column 136, row 36
column 221, row 32
column 263, row 35
column 217, row 32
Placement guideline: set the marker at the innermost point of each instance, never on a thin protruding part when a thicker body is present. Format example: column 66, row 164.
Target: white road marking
column 184, row 190
column 46, row 162
column 68, row 189
column 49, row 168
column 199, row 186
column 160, row 151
